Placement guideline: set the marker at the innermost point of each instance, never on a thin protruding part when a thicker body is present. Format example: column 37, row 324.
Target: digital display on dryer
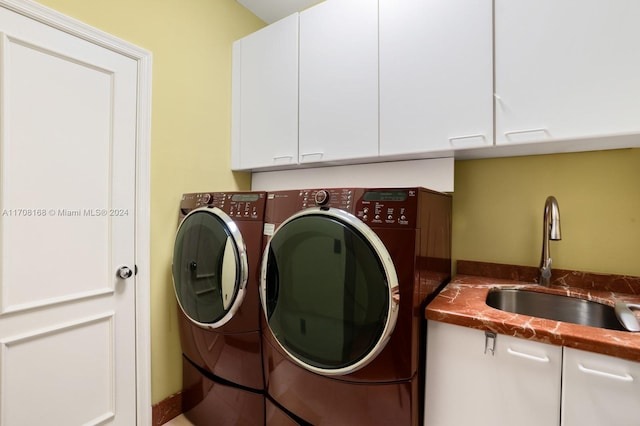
column 385, row 196
column 245, row 197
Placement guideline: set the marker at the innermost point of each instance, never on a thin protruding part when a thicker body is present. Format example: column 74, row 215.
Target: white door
column 67, row 192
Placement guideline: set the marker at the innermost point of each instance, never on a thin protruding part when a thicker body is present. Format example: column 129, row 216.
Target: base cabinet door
column 599, row 390
column 479, row 379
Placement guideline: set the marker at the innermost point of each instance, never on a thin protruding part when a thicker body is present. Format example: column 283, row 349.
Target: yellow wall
column 191, row 115
column 498, row 206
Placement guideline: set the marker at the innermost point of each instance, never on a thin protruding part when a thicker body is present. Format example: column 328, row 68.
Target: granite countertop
column 462, row 302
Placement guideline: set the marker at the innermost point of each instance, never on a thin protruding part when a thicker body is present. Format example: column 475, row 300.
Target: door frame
column 50, row 17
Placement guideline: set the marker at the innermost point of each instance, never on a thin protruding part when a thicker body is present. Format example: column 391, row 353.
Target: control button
column 366, row 210
column 206, row 198
column 390, row 217
column 403, row 217
column 322, row 197
column 364, row 217
column 377, row 217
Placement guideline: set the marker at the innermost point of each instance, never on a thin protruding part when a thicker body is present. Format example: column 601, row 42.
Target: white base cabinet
column 473, row 378
column 599, row 390
column 518, row 383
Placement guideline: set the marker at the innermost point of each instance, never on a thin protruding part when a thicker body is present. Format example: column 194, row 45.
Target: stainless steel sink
column 555, row 307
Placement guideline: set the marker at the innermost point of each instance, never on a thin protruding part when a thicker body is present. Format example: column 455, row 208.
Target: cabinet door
column 436, row 75
column 599, row 390
column 265, row 97
column 566, row 69
column 339, row 81
column 517, row 384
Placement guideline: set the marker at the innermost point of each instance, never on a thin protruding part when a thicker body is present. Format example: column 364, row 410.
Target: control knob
column 322, row 197
column 206, row 198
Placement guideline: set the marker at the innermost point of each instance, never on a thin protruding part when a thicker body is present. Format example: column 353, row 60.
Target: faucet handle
column 545, row 272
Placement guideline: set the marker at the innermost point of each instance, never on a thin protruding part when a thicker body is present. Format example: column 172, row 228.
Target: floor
column 181, row 420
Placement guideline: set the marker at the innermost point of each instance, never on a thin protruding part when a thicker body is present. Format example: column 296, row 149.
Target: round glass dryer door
column 209, row 267
column 329, row 291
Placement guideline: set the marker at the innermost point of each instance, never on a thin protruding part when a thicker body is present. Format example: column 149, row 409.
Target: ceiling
column 273, row 10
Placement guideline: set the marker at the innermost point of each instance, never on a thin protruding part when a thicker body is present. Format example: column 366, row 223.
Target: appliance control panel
column 388, row 207
column 340, row 198
column 238, row 205
column 377, row 207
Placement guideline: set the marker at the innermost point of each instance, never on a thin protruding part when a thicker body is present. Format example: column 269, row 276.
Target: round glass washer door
column 329, row 291
column 209, row 267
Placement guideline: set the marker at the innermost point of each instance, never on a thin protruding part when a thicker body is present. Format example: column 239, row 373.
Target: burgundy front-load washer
column 216, row 264
column 345, row 278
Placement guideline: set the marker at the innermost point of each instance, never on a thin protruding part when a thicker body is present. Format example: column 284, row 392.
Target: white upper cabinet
column 566, row 69
column 351, row 81
column 338, row 81
column 264, row 127
column 436, row 75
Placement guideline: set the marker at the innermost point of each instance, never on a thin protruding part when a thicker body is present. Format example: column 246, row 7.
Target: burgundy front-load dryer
column 216, row 264
column 345, row 278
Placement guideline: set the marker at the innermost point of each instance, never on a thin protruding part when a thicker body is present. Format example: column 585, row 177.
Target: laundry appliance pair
column 344, row 276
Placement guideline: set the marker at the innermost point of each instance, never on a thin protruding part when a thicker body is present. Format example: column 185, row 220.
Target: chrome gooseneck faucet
column 550, row 231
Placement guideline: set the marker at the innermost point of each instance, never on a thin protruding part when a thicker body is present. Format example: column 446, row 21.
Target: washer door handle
column 125, row 272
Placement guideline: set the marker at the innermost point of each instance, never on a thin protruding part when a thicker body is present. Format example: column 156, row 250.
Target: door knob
column 125, row 272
